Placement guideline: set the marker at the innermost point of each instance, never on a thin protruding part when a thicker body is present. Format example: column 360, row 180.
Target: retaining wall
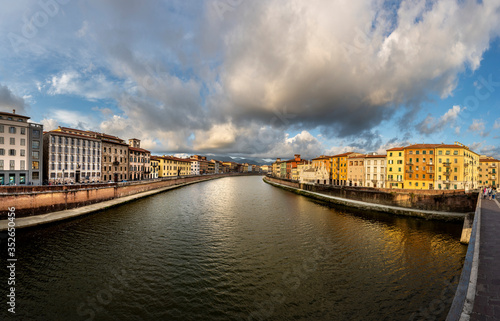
column 430, row 200
column 35, row 200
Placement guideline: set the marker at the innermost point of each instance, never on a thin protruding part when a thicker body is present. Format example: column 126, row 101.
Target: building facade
column 356, row 170
column 172, row 166
column 339, row 168
column 488, row 171
column 154, row 167
column 457, row 167
column 71, row 156
column 139, row 161
column 375, row 171
column 21, row 150
column 420, row 166
column 395, row 168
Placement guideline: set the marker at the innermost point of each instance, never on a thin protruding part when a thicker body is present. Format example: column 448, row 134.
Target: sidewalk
column 487, row 299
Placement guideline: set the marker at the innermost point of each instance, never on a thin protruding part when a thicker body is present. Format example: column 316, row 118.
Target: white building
column 71, row 158
column 21, row 152
column 309, row 174
column 195, row 167
column 375, row 170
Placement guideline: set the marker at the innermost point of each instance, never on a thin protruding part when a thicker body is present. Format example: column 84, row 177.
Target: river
column 236, row 248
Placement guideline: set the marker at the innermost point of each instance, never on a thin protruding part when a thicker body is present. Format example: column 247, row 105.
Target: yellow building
column 420, row 166
column 456, row 167
column 339, row 167
column 172, row 166
column 395, row 168
column 488, row 171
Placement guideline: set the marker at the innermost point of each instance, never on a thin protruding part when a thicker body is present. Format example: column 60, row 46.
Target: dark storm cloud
column 9, row 101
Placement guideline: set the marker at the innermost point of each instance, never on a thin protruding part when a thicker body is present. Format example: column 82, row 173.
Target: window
column 52, row 139
column 2, row 151
column 1, row 129
column 1, row 165
column 36, row 155
column 455, row 152
column 36, row 133
column 35, row 176
column 23, row 131
column 390, row 154
column 12, row 152
column 440, row 152
column 416, row 184
column 423, row 177
column 12, row 165
column 23, row 142
column 454, row 178
column 424, row 152
column 447, row 152
column 23, row 165
column 35, row 144
column 12, row 141
column 400, row 154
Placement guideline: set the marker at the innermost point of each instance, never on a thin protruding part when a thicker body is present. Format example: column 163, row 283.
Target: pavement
column 487, row 299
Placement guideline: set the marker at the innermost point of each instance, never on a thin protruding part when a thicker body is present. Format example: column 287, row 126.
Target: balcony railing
column 409, row 170
column 447, row 164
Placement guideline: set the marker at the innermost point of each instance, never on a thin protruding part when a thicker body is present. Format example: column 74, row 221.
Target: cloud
column 348, row 67
column 496, row 125
column 478, row 127
column 430, row 125
column 95, row 86
column 9, row 101
column 49, row 124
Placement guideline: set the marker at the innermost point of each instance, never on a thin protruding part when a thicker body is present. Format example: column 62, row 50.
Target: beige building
column 139, row 161
column 21, row 152
column 154, row 167
column 356, row 170
column 313, row 173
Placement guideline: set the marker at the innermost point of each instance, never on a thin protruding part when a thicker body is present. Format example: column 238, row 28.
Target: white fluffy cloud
column 430, row 125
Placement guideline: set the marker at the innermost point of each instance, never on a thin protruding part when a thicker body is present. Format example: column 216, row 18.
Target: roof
column 423, row 146
column 376, row 156
column 344, row 154
column 322, row 157
column 135, row 149
column 490, row 160
column 15, row 115
column 55, row 131
column 173, row 158
column 396, row 149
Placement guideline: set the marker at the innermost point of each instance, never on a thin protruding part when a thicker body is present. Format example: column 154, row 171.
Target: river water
column 236, row 249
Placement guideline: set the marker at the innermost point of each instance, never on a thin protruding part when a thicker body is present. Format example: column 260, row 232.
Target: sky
column 258, row 78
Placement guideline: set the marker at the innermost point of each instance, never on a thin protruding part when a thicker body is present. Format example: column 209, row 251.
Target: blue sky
column 258, row 78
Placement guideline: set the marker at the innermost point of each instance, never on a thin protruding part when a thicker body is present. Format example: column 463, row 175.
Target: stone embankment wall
column 431, row 200
column 35, row 200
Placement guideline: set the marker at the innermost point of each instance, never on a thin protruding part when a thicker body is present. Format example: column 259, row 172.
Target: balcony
column 493, row 166
column 493, row 177
column 466, row 164
column 447, row 164
column 409, row 170
column 430, row 171
column 116, row 163
column 409, row 163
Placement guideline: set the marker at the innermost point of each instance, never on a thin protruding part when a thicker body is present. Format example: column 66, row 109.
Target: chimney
column 13, row 111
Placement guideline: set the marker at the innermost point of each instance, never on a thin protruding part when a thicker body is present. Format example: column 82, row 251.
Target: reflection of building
column 395, row 167
column 71, row 156
column 21, row 152
column 488, row 171
column 139, row 166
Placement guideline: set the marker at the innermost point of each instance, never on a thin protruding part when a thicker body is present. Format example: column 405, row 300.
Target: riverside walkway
column 487, row 299
column 478, row 293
